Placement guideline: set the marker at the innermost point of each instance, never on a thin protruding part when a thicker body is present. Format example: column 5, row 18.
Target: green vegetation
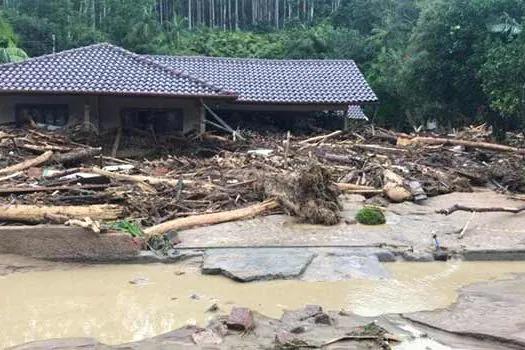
column 370, row 216
column 456, row 61
column 9, row 52
column 130, row 227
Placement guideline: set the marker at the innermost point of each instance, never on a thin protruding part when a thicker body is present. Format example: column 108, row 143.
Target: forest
column 455, row 61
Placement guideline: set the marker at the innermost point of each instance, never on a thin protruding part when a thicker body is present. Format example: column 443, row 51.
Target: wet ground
column 122, row 303
column 408, row 224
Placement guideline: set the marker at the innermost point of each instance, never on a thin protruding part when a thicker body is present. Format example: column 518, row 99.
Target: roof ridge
column 50, row 55
column 286, row 60
column 177, row 72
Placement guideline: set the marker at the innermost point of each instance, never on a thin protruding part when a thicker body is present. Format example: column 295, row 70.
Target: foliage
column 370, row 216
column 130, row 227
column 9, row 52
column 456, row 61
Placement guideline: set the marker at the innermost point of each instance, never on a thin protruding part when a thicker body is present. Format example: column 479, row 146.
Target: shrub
column 370, row 216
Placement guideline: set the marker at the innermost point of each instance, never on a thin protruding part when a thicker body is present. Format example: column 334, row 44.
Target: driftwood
column 210, row 219
column 116, row 144
column 42, row 149
column 320, row 138
column 456, row 142
column 11, row 176
column 77, row 155
column 33, row 162
column 340, row 158
column 19, row 190
column 37, row 214
column 458, row 207
column 138, row 179
column 351, row 187
column 377, row 148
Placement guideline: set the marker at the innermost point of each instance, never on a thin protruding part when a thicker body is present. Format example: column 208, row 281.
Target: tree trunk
column 28, row 163
column 189, row 14
column 211, row 219
column 37, row 214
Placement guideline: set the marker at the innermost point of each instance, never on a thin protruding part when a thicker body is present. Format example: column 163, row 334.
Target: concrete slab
column 245, row 265
column 54, row 242
column 407, row 224
column 491, row 310
column 343, row 264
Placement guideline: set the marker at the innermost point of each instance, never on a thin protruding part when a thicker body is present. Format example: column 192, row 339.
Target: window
column 47, row 114
column 163, row 121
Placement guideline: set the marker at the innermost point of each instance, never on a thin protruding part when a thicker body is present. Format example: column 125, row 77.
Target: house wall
column 110, row 107
column 104, row 110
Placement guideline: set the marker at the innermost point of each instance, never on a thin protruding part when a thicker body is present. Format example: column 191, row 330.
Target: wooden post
column 202, row 120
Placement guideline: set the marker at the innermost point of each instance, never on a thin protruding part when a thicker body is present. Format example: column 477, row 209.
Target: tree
column 9, row 52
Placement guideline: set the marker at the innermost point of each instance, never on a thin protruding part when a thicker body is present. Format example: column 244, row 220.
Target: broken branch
column 28, row 163
column 458, row 207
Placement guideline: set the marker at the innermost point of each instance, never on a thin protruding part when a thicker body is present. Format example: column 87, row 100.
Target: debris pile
column 47, row 177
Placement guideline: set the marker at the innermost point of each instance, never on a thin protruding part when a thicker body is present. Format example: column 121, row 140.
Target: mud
column 122, row 303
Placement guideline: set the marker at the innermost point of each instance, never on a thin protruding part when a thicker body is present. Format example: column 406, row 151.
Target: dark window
column 56, row 115
column 163, row 121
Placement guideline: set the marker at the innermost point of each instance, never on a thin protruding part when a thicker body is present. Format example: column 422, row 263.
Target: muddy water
column 100, row 301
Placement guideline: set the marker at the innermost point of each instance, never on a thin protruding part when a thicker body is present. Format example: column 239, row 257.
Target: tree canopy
column 455, row 61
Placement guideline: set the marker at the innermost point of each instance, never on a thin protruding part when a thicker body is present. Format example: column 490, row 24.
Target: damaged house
column 111, row 87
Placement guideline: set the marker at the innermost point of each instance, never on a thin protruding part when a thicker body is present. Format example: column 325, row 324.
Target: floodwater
column 100, row 302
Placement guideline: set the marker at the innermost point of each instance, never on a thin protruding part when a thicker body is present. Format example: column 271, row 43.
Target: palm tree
column 9, row 52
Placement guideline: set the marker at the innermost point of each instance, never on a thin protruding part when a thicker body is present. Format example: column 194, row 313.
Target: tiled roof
column 280, row 81
column 104, row 69
column 355, row 112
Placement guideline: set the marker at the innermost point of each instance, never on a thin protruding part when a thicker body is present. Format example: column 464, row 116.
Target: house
column 109, row 85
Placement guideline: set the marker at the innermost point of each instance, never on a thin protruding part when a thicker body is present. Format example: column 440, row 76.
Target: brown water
column 100, row 301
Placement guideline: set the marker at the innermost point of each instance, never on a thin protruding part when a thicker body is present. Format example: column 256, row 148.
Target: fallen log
column 35, row 214
column 19, row 190
column 28, row 163
column 320, row 138
column 210, row 219
column 459, row 207
column 42, row 149
column 340, row 158
column 472, row 144
column 377, row 148
column 140, row 179
column 77, row 155
column 351, row 187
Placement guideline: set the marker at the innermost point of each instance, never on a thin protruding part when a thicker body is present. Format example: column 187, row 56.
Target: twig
column 462, row 233
column 320, row 138
column 458, row 207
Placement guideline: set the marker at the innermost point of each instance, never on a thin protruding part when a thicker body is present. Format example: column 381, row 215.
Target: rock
column 340, row 265
column 283, row 337
column 241, row 319
column 298, row 330
column 397, row 194
column 213, row 308
column 419, row 256
column 245, row 265
column 206, row 337
column 294, row 317
column 195, row 297
column 139, row 281
column 323, row 318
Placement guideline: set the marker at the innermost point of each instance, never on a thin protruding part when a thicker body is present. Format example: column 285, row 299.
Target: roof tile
column 101, row 68
column 280, row 81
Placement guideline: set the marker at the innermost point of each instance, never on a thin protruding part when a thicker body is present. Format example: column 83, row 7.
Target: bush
column 370, row 216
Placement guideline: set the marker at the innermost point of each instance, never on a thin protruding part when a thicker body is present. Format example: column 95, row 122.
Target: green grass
column 130, row 227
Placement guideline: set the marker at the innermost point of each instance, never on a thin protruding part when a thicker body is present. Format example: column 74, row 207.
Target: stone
column 397, row 194
column 343, row 264
column 206, row 337
column 245, row 264
column 213, row 308
column 241, row 319
column 283, row 337
column 139, row 281
column 298, row 330
column 418, row 256
column 323, row 318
